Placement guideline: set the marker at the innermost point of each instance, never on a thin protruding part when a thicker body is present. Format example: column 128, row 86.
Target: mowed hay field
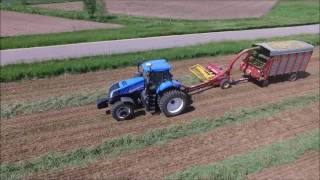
column 179, row 9
column 15, row 23
column 72, row 139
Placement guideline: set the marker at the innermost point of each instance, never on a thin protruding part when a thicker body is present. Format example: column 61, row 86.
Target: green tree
column 15, row 2
column 101, row 8
column 95, row 8
column 90, row 6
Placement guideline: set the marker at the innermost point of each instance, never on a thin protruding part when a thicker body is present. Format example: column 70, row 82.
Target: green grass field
column 47, row 1
column 286, row 13
column 88, row 64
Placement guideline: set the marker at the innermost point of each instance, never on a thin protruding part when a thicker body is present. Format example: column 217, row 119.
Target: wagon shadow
column 281, row 79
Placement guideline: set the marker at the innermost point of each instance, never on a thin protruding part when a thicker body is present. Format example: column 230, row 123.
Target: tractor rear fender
column 127, row 99
column 168, row 85
column 131, row 98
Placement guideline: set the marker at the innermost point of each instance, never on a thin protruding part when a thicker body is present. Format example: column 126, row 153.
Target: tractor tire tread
column 163, row 100
column 118, row 104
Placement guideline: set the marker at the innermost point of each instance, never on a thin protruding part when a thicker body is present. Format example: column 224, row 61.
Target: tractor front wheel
column 122, row 111
column 173, row 102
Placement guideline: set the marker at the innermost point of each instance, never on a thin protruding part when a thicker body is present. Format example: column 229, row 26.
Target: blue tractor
column 153, row 88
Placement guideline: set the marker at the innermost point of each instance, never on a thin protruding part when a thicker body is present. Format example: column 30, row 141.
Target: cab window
column 159, row 77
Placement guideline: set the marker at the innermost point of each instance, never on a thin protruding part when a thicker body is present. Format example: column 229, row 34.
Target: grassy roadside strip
column 88, row 64
column 30, row 2
column 237, row 167
column 285, row 13
column 59, row 102
column 129, row 143
column 48, row 1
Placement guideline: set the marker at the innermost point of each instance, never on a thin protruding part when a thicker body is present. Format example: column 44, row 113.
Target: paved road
column 36, row 54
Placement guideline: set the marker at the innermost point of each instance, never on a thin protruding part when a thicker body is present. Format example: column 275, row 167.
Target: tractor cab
column 155, row 72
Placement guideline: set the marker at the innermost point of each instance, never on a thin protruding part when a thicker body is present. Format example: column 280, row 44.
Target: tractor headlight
column 114, row 93
column 111, row 94
column 114, row 90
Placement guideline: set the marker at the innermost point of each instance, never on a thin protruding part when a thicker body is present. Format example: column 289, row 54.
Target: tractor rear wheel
column 122, row 111
column 173, row 102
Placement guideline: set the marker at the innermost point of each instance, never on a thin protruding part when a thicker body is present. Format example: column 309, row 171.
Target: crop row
column 239, row 166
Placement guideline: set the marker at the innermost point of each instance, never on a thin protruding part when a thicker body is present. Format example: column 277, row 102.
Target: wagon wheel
column 265, row 83
column 293, row 77
column 225, row 84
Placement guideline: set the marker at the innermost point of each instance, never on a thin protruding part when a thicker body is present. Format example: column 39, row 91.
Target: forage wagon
column 274, row 59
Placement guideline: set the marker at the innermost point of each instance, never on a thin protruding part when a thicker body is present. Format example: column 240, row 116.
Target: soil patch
column 180, row 9
column 15, row 23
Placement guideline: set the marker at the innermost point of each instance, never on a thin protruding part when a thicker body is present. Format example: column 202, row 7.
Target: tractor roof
column 286, row 47
column 156, row 65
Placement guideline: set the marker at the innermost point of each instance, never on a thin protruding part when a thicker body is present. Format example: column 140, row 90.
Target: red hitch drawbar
column 215, row 74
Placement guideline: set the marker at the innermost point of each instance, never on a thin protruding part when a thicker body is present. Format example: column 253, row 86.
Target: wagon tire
column 293, row 77
column 173, row 103
column 225, row 84
column 122, row 111
column 265, row 83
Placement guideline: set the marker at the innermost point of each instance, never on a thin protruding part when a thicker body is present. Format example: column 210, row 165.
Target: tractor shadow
column 202, row 90
column 137, row 113
column 141, row 112
column 189, row 109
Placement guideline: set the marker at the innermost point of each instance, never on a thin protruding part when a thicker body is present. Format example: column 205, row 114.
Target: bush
column 95, row 8
column 14, row 2
column 90, row 7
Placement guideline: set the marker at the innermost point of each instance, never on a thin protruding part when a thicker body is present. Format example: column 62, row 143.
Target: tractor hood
column 127, row 86
column 131, row 82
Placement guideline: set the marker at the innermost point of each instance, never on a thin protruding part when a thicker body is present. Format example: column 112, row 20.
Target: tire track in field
column 158, row 161
column 62, row 130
